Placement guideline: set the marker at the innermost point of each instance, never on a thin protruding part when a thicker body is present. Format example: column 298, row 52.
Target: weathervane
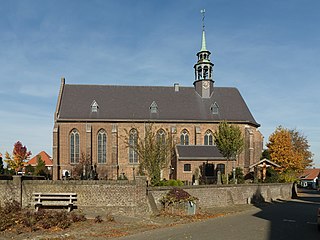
column 203, row 11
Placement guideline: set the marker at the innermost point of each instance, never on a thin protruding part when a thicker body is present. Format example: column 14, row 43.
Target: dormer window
column 153, row 107
column 214, row 108
column 94, row 106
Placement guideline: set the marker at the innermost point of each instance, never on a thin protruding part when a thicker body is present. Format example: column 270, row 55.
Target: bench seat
column 55, row 200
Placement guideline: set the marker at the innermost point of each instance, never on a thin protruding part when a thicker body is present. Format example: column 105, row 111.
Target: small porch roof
column 198, row 152
column 267, row 161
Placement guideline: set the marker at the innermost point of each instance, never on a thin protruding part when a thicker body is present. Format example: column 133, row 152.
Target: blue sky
column 269, row 50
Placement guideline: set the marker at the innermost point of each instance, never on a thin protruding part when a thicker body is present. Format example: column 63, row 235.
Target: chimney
column 176, row 87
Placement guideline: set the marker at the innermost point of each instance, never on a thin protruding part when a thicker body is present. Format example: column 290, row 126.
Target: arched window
column 102, row 146
column 184, row 137
column 74, row 146
column 133, row 140
column 208, row 138
column 221, row 168
column 161, row 136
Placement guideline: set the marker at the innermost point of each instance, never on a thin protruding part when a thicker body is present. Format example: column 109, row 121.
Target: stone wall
column 224, row 195
column 116, row 197
column 134, row 197
column 10, row 190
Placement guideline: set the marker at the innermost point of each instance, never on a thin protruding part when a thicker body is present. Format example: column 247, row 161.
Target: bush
column 239, row 176
column 272, row 176
column 177, row 195
column 288, row 177
column 13, row 217
column 171, row 182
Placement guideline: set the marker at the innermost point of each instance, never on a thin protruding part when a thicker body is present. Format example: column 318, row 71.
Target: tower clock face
column 205, row 84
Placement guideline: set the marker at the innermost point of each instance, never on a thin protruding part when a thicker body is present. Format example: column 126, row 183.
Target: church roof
column 127, row 103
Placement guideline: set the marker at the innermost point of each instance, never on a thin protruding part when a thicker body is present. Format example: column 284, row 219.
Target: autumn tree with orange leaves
column 19, row 154
column 289, row 149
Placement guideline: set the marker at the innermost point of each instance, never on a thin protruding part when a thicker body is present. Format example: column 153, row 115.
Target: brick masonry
column 117, row 150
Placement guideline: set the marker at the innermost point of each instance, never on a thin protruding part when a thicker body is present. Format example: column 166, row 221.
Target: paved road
column 291, row 220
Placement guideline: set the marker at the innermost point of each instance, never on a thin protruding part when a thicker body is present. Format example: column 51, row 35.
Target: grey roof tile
column 133, row 103
column 198, row 152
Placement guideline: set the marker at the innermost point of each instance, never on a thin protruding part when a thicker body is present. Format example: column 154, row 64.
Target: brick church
column 90, row 119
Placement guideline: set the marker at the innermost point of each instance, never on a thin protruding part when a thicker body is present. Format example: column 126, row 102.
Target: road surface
column 294, row 219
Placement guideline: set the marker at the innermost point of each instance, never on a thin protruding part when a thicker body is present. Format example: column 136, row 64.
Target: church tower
column 203, row 68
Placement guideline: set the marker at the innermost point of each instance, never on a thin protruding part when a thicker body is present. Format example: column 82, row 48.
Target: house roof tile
column 44, row 156
column 310, row 174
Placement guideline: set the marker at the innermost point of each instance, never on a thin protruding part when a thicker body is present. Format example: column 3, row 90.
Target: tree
column 289, row 149
column 229, row 141
column 265, row 154
column 29, row 170
column 41, row 169
column 154, row 152
column 1, row 165
column 301, row 148
column 19, row 154
column 83, row 167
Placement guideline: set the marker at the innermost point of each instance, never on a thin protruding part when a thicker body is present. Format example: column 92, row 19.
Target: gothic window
column 161, row 136
column 187, row 167
column 184, row 137
column 221, row 168
column 133, row 140
column 208, row 138
column 74, row 146
column 102, row 146
column 214, row 108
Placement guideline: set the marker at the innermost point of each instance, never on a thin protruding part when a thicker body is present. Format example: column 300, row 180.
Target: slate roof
column 133, row 103
column 198, row 152
column 44, row 156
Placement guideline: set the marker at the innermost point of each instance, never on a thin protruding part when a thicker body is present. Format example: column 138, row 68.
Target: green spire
column 203, row 42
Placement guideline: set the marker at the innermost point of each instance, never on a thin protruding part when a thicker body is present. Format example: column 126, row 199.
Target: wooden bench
column 55, row 200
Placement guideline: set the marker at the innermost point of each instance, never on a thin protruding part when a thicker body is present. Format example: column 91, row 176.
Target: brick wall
column 117, row 151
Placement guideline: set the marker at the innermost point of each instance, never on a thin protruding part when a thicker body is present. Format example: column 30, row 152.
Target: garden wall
column 223, row 195
column 134, row 197
column 116, row 197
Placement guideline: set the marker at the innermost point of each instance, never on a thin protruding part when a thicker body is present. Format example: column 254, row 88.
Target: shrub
column 272, row 176
column 13, row 217
column 171, row 182
column 177, row 195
